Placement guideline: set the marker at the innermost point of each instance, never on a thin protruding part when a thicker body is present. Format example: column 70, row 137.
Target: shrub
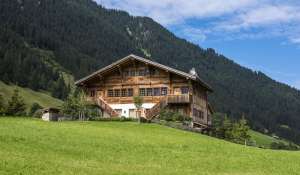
column 173, row 116
column 93, row 112
column 144, row 120
column 2, row 105
column 16, row 105
column 38, row 113
column 34, row 107
column 117, row 119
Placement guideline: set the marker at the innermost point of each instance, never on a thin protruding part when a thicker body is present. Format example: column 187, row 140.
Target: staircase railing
column 106, row 107
column 155, row 110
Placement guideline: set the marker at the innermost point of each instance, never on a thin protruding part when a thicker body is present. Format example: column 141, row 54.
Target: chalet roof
column 195, row 78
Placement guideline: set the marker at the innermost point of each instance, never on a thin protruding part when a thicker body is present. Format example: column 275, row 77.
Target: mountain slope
column 99, row 148
column 29, row 96
column 84, row 37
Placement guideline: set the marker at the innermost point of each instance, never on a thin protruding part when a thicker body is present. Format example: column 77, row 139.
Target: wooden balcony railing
column 175, row 99
column 170, row 99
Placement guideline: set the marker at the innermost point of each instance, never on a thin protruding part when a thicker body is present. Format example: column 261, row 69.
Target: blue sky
column 262, row 35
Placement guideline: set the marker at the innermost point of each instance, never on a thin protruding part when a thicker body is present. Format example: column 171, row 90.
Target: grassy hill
column 263, row 140
column 29, row 146
column 81, row 37
column 29, row 96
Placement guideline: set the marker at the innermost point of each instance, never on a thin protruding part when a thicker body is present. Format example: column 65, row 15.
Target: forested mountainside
column 41, row 39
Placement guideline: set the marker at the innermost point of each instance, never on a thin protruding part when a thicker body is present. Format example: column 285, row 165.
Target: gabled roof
column 146, row 61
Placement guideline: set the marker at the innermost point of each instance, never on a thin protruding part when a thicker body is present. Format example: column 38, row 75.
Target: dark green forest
column 40, row 39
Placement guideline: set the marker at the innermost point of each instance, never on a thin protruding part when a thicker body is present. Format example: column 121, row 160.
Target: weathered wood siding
column 117, row 78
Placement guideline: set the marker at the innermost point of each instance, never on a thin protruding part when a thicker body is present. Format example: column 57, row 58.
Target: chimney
column 193, row 72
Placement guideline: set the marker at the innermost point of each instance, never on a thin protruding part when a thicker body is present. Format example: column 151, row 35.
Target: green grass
column 264, row 140
column 29, row 96
column 31, row 146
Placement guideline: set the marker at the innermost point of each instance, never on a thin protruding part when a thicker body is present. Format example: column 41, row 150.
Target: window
column 92, row 93
column 142, row 92
column 201, row 114
column 147, row 72
column 184, row 90
column 149, row 91
column 125, row 73
column 156, row 91
column 124, row 92
column 130, row 92
column 164, row 91
column 154, row 72
column 117, row 93
column 198, row 113
column 132, row 73
column 142, row 72
column 110, row 93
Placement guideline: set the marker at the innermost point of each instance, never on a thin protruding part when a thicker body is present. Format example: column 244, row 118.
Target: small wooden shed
column 50, row 114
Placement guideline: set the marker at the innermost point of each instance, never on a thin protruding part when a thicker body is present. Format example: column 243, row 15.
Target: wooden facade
column 114, row 87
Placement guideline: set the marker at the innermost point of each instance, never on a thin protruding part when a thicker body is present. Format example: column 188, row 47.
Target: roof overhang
column 146, row 61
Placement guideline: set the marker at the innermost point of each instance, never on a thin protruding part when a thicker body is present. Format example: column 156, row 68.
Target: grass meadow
column 32, row 146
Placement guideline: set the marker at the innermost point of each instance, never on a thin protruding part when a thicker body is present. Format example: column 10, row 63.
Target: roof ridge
column 153, row 63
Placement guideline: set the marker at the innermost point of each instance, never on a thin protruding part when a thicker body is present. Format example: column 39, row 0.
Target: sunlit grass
column 31, row 146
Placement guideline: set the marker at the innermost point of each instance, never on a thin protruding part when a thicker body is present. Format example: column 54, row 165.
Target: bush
column 173, row 116
column 38, row 113
column 34, row 107
column 144, row 120
column 16, row 105
column 93, row 112
column 117, row 119
column 282, row 146
column 2, row 105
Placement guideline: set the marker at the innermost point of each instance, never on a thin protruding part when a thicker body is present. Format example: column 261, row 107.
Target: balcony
column 177, row 99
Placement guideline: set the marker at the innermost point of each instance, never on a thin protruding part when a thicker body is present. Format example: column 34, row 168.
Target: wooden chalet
column 161, row 87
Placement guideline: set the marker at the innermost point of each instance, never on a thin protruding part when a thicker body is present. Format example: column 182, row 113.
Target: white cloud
column 297, row 84
column 230, row 19
column 170, row 12
column 194, row 35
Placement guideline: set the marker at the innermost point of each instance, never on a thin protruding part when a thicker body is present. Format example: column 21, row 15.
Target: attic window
column 132, row 73
column 92, row 93
column 154, row 71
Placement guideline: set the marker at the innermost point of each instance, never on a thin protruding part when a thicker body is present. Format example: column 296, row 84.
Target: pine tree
column 2, row 105
column 227, row 128
column 16, row 105
column 244, row 130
